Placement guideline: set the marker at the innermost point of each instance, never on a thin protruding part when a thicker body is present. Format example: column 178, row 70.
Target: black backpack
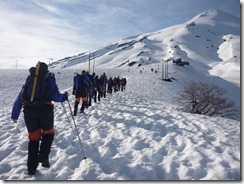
column 41, row 92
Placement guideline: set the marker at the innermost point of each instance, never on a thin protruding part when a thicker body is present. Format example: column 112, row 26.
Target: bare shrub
column 207, row 99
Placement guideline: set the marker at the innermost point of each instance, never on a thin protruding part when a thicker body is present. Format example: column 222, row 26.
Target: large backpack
column 77, row 82
column 80, row 82
column 40, row 82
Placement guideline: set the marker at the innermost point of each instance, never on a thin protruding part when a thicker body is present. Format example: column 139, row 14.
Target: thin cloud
column 49, row 8
column 25, row 36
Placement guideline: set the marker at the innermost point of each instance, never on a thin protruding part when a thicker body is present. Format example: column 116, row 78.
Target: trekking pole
column 67, row 116
column 77, row 130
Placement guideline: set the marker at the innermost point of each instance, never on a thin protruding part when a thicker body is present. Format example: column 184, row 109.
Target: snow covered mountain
column 210, row 42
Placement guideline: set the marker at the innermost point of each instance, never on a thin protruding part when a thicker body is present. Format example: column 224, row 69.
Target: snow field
column 132, row 135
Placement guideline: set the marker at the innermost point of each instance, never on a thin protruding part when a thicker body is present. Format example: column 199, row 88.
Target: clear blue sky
column 32, row 30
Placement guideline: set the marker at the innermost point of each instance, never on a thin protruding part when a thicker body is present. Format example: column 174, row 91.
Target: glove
column 15, row 120
column 66, row 95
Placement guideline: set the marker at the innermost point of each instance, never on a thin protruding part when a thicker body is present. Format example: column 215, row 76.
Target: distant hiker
column 116, row 84
column 36, row 97
column 123, row 83
column 94, row 87
column 80, row 85
column 97, row 89
column 103, row 83
column 90, row 88
column 110, row 85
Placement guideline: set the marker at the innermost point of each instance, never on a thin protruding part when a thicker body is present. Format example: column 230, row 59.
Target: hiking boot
column 31, row 172
column 45, row 162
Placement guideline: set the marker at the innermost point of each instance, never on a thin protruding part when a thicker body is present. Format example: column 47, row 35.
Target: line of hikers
column 87, row 87
column 36, row 97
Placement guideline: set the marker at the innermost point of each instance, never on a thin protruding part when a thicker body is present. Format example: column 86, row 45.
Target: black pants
column 39, row 122
column 81, row 94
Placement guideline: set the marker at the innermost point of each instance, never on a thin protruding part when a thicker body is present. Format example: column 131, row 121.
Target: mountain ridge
column 199, row 41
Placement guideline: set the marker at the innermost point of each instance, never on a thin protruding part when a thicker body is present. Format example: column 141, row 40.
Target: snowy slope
column 211, row 39
column 133, row 135
column 210, row 42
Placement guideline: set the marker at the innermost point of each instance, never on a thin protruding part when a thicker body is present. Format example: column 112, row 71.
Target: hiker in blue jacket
column 81, row 83
column 38, row 113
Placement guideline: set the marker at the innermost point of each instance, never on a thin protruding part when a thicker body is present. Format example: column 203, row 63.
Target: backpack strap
column 35, row 82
